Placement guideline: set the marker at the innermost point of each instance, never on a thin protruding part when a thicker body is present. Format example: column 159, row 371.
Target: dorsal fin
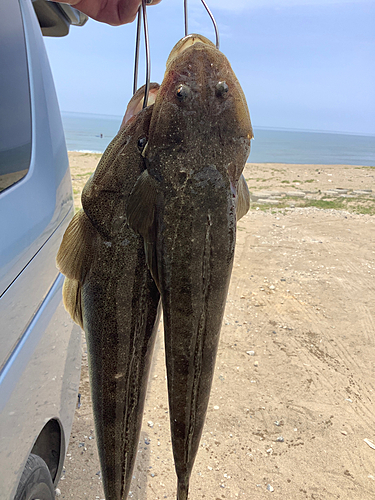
column 141, row 204
column 140, row 214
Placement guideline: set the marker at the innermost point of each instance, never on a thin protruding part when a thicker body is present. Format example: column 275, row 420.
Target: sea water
column 93, row 133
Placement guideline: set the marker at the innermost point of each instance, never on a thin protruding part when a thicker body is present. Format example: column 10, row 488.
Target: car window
column 15, row 111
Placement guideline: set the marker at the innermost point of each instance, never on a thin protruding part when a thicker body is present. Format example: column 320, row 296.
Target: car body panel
column 39, row 382
column 44, row 196
column 40, row 351
column 24, row 297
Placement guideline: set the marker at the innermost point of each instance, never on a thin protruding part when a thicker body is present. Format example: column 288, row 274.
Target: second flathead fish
column 110, row 293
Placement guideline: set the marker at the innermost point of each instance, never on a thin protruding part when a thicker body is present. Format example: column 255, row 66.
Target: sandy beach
column 292, row 408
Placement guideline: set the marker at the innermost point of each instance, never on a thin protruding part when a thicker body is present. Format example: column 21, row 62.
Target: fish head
column 200, row 115
column 105, row 193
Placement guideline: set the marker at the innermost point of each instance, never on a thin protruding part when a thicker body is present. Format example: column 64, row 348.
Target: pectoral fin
column 140, row 209
column 243, row 198
column 72, row 300
column 76, row 251
column 151, row 261
column 140, row 213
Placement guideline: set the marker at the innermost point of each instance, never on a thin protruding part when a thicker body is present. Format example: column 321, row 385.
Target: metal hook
column 212, row 19
column 136, row 57
column 142, row 9
column 186, row 18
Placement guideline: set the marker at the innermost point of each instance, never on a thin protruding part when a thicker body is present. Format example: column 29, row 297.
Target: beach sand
column 293, row 396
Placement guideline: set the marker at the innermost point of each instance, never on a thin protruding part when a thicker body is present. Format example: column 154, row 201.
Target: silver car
column 40, row 353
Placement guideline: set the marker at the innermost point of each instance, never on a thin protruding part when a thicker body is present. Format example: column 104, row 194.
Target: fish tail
column 182, row 490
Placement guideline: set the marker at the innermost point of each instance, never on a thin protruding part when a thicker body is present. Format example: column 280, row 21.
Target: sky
column 303, row 64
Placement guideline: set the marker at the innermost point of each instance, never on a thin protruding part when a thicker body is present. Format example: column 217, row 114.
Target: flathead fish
column 110, row 293
column 184, row 206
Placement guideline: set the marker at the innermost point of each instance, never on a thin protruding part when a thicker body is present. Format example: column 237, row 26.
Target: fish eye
column 182, row 92
column 221, row 89
column 141, row 143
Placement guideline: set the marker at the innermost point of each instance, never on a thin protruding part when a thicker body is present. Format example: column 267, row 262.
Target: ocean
column 93, row 133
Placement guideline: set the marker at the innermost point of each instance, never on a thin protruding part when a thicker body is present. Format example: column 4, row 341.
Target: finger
column 128, row 9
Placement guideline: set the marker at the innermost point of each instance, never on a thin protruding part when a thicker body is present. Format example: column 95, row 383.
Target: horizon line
column 257, row 127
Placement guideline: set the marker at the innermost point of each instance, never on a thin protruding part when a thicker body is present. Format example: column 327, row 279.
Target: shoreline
column 89, row 151
column 278, row 185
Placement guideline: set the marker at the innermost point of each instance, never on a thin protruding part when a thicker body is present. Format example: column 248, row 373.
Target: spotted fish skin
column 184, row 206
column 109, row 291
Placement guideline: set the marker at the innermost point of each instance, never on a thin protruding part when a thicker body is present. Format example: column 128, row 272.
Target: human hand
column 114, row 12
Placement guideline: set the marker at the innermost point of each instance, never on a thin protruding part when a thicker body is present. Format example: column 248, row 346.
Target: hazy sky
column 303, row 64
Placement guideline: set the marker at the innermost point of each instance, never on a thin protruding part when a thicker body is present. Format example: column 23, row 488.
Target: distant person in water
column 114, row 12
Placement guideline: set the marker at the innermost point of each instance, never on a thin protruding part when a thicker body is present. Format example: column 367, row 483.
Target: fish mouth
column 185, row 43
column 136, row 102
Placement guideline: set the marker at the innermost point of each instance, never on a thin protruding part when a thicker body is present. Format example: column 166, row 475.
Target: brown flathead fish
column 184, row 206
column 109, row 291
